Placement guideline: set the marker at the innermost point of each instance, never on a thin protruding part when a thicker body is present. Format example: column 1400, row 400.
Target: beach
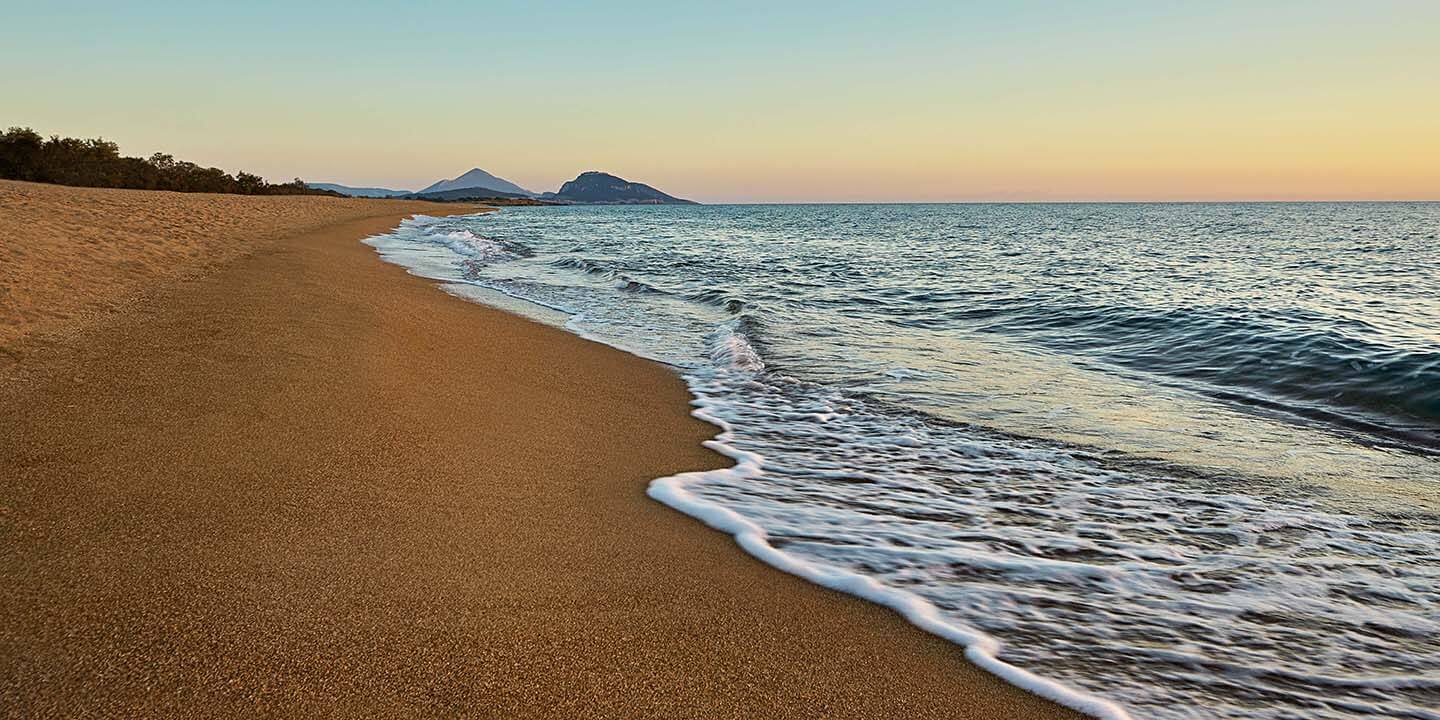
column 248, row 468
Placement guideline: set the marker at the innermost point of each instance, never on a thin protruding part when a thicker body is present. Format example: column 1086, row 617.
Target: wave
column 591, row 267
column 720, row 298
column 731, row 347
column 1285, row 360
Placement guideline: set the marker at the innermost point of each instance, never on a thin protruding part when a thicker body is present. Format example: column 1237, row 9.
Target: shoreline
column 675, row 491
column 302, row 482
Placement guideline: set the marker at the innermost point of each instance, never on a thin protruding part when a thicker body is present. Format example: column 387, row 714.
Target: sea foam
column 981, row 649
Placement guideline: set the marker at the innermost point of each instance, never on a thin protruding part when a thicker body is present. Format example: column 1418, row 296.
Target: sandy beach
column 249, row 469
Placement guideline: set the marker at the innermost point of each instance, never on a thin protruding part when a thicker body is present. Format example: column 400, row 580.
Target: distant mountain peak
column 593, row 186
column 477, row 178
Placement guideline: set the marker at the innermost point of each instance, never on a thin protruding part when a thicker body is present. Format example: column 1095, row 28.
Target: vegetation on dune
column 25, row 155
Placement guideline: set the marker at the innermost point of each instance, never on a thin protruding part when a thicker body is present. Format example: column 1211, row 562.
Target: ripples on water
column 1183, row 457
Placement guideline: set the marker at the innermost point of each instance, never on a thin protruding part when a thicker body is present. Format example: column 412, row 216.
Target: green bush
column 25, row 155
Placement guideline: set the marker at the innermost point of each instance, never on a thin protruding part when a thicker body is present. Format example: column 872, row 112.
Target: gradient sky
column 737, row 101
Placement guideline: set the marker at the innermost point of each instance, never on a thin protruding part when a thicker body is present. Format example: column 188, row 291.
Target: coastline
column 299, row 482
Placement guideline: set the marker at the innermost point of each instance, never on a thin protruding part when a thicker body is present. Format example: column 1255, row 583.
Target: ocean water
column 1155, row 460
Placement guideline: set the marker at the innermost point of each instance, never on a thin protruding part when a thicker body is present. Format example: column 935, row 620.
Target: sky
column 759, row 101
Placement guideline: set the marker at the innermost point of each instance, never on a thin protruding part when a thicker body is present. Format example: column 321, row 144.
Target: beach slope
column 248, row 469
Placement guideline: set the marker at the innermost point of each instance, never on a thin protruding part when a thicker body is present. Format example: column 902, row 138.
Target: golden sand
column 284, row 478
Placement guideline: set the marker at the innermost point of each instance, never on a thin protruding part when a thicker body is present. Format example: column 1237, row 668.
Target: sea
column 1150, row 460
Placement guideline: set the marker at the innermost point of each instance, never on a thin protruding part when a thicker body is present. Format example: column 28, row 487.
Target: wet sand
column 288, row 479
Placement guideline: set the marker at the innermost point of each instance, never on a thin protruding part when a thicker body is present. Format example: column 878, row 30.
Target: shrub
column 25, row 155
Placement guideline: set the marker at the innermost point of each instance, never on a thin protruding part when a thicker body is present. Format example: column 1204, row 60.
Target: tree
column 19, row 150
column 25, row 155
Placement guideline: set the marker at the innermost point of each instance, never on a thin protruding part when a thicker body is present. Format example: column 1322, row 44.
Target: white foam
column 980, row 648
column 473, row 246
column 731, row 349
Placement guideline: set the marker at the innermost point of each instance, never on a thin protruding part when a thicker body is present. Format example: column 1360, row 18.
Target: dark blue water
column 1182, row 457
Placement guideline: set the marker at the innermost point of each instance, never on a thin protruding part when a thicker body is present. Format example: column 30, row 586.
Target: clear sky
column 768, row 101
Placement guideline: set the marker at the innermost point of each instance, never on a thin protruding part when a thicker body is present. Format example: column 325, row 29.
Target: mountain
column 605, row 189
column 478, row 178
column 358, row 191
